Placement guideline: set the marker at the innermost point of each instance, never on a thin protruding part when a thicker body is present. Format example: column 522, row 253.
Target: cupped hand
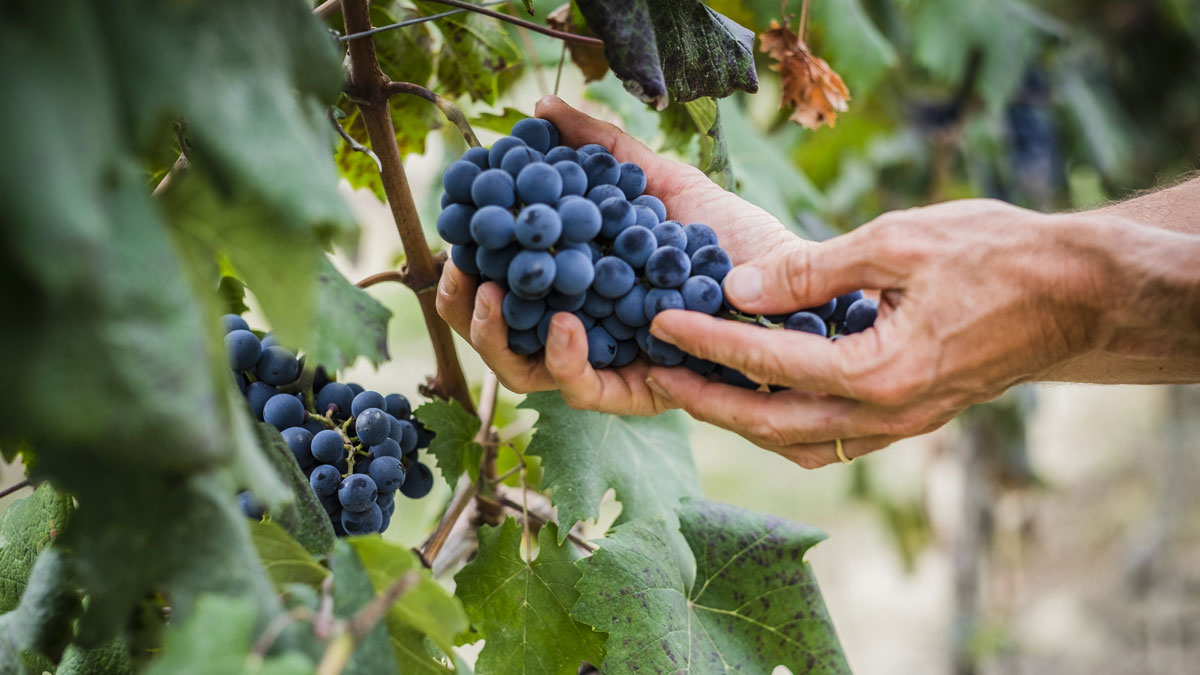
column 745, row 231
column 977, row 296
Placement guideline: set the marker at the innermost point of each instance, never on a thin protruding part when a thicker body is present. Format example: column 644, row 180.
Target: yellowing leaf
column 809, row 84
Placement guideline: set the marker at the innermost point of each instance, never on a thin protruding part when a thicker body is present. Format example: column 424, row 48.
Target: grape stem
column 13, row 488
column 452, row 112
column 368, row 85
column 328, row 8
column 397, row 276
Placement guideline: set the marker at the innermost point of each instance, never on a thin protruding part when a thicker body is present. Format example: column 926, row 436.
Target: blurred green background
column 1056, row 530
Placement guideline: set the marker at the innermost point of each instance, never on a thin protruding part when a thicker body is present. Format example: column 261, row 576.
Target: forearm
column 1151, row 332
column 1176, row 208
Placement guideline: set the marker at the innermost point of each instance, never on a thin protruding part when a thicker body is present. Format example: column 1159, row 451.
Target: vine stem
column 368, row 85
column 397, row 276
column 13, row 488
column 452, row 112
column 466, row 490
column 537, row 28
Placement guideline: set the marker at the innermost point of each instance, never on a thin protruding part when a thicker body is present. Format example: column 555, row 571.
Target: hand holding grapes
column 745, row 231
column 977, row 296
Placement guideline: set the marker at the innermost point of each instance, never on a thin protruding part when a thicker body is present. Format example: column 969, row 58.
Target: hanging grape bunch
column 356, row 447
column 570, row 230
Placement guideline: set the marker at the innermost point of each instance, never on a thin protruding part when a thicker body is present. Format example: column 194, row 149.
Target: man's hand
column 746, row 232
column 977, row 296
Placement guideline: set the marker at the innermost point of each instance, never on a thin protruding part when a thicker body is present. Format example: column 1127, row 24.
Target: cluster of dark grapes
column 570, row 230
column 357, row 448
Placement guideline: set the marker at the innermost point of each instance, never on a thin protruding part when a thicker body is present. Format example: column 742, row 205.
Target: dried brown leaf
column 809, row 84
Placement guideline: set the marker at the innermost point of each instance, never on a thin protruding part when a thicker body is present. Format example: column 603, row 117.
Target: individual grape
column 614, row 277
column 645, row 216
column 257, row 395
column 601, row 169
column 562, row 154
column 736, row 378
column 861, row 315
column 596, row 253
column 642, row 337
column 531, row 274
column 457, row 179
column 568, row 303
column 668, row 267
column 418, row 482
column 698, row 236
column 501, row 148
column 573, row 273
column 454, row 223
column 446, row 200
column 405, row 433
column 478, row 157
column 324, row 480
column 653, row 203
column 627, row 351
column 355, row 387
column 602, row 348
column 387, row 472
column 277, row 366
column 463, row 256
column 580, row 219
column 387, row 519
column 542, row 330
column 320, row 379
column 660, row 300
column 269, row 340
column 670, row 233
column 424, row 436
column 328, row 447
column 371, row 426
column 574, row 179
column 538, row 227
column 243, row 349
column 630, row 308
column 367, row 399
column 635, row 245
column 702, row 294
column 663, row 353
column 366, row 521
column 602, row 193
column 390, row 447
column 397, row 406
column 711, row 261
column 806, row 322
column 251, row 507
column 517, row 159
column 617, row 328
column 232, row 322
column 494, row 187
column 335, row 394
column 534, row 132
column 539, row 183
column 824, row 311
column 240, row 380
column 843, row 304
column 697, row 365
column 493, row 264
column 299, row 441
column 591, row 149
column 597, row 306
column 586, row 319
column 616, row 215
column 283, row 411
column 493, row 227
column 523, row 342
column 521, row 314
column 632, row 181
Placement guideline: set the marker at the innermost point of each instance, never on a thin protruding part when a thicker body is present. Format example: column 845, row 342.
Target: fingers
column 782, row 357
column 621, row 391
column 817, row 455
column 488, row 334
column 811, row 275
column 456, row 299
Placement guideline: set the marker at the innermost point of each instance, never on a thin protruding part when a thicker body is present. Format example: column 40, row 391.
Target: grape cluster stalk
column 357, row 448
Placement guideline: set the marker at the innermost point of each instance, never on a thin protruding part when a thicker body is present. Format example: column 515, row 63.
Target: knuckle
column 797, row 271
column 808, row 460
column 768, row 433
column 890, row 392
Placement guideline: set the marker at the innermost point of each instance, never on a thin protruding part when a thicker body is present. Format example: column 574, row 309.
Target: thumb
column 808, row 276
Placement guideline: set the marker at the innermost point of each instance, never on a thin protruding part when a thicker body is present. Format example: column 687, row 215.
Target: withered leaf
column 809, row 84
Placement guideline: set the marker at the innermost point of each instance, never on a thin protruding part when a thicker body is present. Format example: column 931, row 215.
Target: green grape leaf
column 110, row 658
column 216, row 639
column 351, row 323
column 474, row 51
column 232, row 294
column 523, row 607
column 500, row 123
column 646, row 460
column 673, row 49
column 26, row 527
column 454, row 445
column 352, row 590
column 852, row 44
column 302, row 516
column 283, row 557
column 751, row 604
column 39, row 628
column 426, row 611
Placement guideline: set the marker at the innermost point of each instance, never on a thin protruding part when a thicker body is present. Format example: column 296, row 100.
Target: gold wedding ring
column 840, row 452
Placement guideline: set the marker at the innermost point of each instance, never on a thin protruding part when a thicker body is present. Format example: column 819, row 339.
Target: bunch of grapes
column 357, row 448
column 570, row 230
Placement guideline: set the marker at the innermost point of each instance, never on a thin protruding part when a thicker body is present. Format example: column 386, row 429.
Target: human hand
column 977, row 296
column 746, row 232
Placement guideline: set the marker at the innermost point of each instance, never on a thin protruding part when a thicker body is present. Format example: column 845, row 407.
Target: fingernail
column 659, row 391
column 483, row 309
column 744, row 284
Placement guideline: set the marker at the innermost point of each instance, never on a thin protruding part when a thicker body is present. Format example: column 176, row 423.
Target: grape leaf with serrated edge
column 454, row 441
